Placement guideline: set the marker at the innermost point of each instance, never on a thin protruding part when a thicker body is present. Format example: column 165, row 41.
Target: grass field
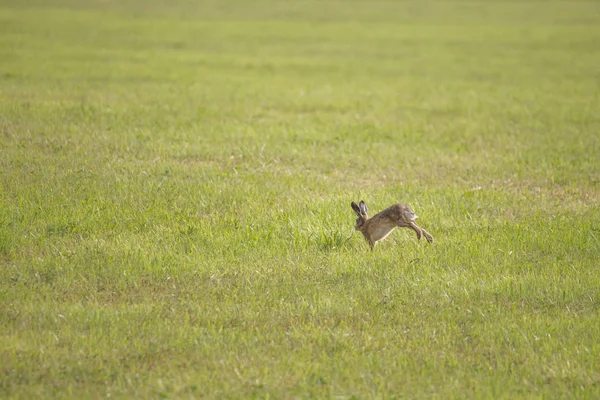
column 175, row 191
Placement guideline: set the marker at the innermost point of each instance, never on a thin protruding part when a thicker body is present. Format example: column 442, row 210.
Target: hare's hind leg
column 427, row 235
column 416, row 228
column 420, row 232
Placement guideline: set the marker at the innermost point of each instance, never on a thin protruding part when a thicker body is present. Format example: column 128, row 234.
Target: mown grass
column 175, row 189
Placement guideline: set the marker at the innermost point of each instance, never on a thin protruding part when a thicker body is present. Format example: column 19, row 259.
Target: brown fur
column 382, row 224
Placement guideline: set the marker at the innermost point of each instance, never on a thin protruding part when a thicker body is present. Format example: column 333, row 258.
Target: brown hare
column 382, row 224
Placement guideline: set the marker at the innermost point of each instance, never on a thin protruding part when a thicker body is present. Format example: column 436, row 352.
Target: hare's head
column 361, row 212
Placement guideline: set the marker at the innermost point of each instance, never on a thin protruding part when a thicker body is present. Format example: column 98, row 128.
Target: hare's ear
column 356, row 208
column 362, row 207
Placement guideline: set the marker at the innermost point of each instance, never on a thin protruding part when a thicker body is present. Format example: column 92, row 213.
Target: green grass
column 175, row 197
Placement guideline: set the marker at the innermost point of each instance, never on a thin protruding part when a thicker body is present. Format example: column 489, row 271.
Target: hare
column 382, row 224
